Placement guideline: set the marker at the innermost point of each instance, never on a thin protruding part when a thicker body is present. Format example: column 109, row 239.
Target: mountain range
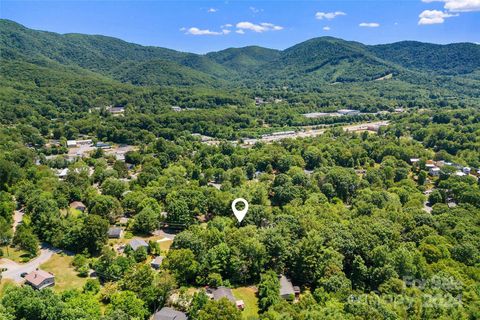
column 315, row 65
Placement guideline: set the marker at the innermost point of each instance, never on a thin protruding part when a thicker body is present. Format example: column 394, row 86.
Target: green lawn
column 15, row 254
column 165, row 245
column 65, row 276
column 249, row 297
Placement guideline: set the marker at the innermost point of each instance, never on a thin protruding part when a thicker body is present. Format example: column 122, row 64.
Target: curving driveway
column 14, row 269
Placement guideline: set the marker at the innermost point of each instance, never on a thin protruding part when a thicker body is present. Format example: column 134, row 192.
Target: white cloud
column 262, row 27
column 212, row 10
column 240, row 31
column 226, row 31
column 329, row 15
column 458, row 5
column 255, row 10
column 228, row 25
column 433, row 17
column 369, row 24
column 327, row 28
column 199, row 32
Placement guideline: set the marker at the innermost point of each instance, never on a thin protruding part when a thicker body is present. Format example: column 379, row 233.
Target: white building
column 434, row 171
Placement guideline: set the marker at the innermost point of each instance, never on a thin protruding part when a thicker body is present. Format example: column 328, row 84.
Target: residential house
column 259, row 101
column 77, row 205
column 115, row 233
column 40, row 279
column 116, row 110
column 287, row 290
column 71, row 143
column 434, row 171
column 62, row 174
column 103, row 145
column 167, row 313
column 176, row 108
column 466, row 170
column 157, row 262
column 138, row 243
column 123, row 221
column 224, row 292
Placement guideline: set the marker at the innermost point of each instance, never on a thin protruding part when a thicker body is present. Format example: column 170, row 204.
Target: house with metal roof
column 138, row 243
column 157, row 262
column 224, row 292
column 287, row 290
column 115, row 232
column 167, row 313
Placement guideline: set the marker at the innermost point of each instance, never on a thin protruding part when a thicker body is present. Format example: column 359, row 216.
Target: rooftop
column 114, row 232
column 137, row 243
column 223, row 292
column 36, row 277
column 286, row 287
column 167, row 313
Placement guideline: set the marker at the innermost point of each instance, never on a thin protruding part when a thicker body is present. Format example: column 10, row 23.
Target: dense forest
column 357, row 221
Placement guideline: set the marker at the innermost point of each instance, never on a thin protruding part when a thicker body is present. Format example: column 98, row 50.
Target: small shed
column 157, row 262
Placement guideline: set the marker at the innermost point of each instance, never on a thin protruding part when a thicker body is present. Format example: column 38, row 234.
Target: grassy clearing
column 249, row 297
column 15, row 254
column 65, row 276
column 165, row 245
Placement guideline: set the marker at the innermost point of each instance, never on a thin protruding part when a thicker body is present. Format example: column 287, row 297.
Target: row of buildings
column 287, row 292
column 434, row 167
column 338, row 113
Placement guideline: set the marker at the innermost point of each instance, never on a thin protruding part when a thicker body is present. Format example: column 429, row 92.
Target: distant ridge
column 309, row 65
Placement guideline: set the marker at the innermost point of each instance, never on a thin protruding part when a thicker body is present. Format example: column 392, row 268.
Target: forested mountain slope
column 451, row 59
column 410, row 72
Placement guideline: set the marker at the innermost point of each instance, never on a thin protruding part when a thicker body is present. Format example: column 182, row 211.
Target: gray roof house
column 224, row 292
column 137, row 243
column 115, row 232
column 167, row 313
column 157, row 262
column 286, row 288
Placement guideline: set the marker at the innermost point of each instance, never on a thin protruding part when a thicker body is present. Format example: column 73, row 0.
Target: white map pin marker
column 240, row 214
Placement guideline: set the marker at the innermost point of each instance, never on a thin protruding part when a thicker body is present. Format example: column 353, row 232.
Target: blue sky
column 203, row 26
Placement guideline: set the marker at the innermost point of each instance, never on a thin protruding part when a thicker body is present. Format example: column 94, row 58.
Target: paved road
column 426, row 205
column 14, row 270
column 17, row 218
